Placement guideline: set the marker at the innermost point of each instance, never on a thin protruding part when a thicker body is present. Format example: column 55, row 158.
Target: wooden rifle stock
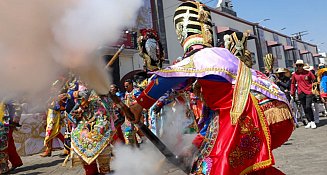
column 114, row 58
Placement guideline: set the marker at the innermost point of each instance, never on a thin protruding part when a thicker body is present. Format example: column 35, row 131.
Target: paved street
column 304, row 153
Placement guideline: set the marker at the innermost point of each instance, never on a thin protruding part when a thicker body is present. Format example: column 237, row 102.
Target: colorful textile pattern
column 322, row 76
column 237, row 149
column 221, row 62
column 53, row 125
column 150, row 49
column 94, row 131
column 4, row 130
column 249, row 144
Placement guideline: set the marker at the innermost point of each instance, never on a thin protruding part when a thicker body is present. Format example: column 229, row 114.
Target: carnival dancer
column 10, row 112
column 228, row 87
column 55, row 115
column 150, row 49
column 94, row 132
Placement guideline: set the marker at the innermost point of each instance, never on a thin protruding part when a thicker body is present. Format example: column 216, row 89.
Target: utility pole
column 299, row 35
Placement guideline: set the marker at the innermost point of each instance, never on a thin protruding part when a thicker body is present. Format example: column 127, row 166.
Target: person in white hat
column 304, row 80
column 283, row 82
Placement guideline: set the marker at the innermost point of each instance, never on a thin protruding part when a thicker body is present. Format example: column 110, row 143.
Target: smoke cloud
column 148, row 160
column 39, row 40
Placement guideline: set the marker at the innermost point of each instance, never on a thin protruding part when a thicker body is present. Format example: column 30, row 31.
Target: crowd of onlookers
column 305, row 90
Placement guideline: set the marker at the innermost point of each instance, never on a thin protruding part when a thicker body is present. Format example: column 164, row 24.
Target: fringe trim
column 276, row 112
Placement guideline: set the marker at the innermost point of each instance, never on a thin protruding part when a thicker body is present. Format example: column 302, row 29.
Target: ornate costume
column 240, row 136
column 10, row 112
column 55, row 116
column 150, row 49
column 322, row 80
column 94, row 132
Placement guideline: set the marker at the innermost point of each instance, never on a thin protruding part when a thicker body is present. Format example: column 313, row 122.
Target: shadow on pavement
column 36, row 166
column 287, row 143
column 322, row 122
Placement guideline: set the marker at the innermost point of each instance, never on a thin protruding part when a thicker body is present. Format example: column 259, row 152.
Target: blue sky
column 293, row 15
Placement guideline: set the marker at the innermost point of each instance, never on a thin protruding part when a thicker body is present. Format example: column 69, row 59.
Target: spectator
column 283, row 82
column 304, row 80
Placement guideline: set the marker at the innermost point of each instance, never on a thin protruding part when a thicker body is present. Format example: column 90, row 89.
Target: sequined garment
column 95, row 129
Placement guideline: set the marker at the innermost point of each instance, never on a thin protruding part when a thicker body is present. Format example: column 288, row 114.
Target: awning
column 228, row 30
column 316, row 55
column 273, row 43
column 304, row 52
column 286, row 47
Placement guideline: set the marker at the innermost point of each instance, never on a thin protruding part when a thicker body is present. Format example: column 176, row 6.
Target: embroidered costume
column 93, row 133
column 322, row 80
column 242, row 130
column 10, row 112
column 56, row 116
column 150, row 49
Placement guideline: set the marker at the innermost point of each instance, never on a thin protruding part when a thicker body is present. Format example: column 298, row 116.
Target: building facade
column 158, row 14
column 285, row 49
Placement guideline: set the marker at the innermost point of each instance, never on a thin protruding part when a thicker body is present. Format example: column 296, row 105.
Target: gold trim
column 240, row 92
column 215, row 69
column 264, row 127
column 90, row 160
column 210, row 69
column 2, row 111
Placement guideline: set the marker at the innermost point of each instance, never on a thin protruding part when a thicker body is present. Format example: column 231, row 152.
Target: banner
column 29, row 138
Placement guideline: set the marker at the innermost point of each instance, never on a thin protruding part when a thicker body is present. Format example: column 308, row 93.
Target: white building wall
column 222, row 21
column 174, row 48
column 129, row 60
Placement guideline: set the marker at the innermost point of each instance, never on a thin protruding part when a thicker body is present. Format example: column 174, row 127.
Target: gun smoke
column 148, row 160
column 39, row 40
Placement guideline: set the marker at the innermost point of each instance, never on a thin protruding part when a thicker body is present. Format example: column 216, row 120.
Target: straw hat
column 299, row 62
column 308, row 68
column 281, row 70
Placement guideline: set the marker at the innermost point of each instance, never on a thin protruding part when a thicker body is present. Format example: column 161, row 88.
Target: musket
column 171, row 157
column 113, row 59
